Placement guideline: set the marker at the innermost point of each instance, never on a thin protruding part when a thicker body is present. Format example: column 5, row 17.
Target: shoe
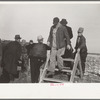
column 50, row 74
column 11, row 77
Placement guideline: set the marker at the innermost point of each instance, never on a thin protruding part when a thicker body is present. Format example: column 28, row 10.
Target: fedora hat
column 63, row 21
column 17, row 37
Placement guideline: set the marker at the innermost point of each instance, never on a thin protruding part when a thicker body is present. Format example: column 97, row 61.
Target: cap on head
column 17, row 37
column 31, row 41
column 39, row 38
column 55, row 20
column 64, row 21
column 80, row 30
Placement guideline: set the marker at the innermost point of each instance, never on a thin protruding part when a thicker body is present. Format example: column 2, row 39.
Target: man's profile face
column 40, row 41
column 79, row 34
column 55, row 22
column 18, row 40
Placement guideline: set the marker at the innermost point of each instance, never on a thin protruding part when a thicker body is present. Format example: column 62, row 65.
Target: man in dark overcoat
column 11, row 55
column 29, row 47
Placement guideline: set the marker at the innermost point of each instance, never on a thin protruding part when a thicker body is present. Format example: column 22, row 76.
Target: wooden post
column 74, row 67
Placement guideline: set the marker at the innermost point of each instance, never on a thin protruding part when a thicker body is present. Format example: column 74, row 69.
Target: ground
column 92, row 72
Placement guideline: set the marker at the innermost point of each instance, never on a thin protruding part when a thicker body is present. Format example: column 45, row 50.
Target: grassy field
column 92, row 72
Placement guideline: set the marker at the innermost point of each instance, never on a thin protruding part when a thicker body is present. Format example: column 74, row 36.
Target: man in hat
column 11, row 55
column 29, row 46
column 81, row 47
column 68, row 53
column 38, row 55
column 56, row 40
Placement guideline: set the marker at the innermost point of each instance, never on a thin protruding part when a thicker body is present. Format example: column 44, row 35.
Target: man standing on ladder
column 68, row 53
column 56, row 40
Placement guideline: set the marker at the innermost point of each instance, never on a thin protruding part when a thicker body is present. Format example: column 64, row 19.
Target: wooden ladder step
column 64, row 70
column 68, row 59
column 55, row 80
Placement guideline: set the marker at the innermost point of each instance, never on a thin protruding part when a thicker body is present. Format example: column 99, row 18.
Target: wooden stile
column 76, row 65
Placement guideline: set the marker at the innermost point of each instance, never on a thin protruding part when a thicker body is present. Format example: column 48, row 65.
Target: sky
column 33, row 19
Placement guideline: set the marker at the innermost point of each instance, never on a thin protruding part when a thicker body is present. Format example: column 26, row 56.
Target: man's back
column 13, row 48
column 39, row 50
column 69, row 29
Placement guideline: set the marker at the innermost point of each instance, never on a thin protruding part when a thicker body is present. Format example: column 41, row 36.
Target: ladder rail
column 77, row 58
column 55, row 80
column 44, row 70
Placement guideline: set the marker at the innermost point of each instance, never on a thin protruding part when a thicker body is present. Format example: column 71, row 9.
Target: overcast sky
column 31, row 20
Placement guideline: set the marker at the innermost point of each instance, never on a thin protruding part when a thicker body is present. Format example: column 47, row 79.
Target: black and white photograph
column 49, row 42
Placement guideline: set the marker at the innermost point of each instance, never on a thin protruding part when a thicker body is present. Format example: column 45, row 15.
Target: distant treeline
column 98, row 54
column 7, row 41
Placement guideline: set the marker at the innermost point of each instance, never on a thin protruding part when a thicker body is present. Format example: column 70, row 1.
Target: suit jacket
column 61, row 35
column 70, row 32
column 81, row 44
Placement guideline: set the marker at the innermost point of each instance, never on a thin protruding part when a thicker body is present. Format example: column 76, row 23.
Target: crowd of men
column 18, row 53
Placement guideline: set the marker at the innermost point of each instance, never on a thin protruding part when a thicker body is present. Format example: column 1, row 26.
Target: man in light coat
column 56, row 40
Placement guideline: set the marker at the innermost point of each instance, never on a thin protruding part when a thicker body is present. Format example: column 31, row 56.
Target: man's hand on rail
column 48, row 43
column 68, row 47
column 78, row 50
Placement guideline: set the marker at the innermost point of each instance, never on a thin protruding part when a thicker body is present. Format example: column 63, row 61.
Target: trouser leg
column 83, row 66
column 83, row 60
column 51, row 68
column 60, row 52
column 41, row 63
column 32, row 69
column 35, row 69
column 5, row 78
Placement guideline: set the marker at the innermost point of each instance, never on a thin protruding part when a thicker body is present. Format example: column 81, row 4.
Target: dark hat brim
column 17, row 37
